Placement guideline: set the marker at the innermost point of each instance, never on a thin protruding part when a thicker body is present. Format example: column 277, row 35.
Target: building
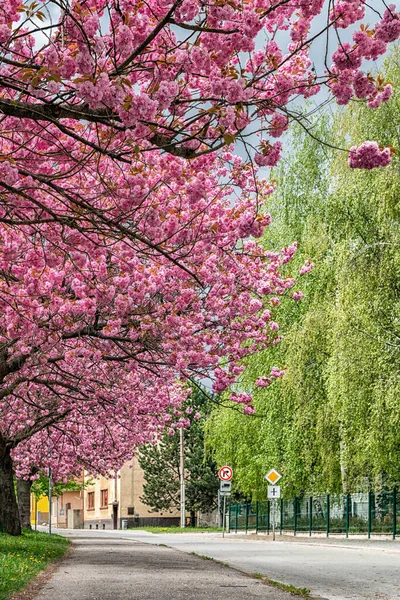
column 39, row 510
column 103, row 504
column 67, row 509
column 108, row 503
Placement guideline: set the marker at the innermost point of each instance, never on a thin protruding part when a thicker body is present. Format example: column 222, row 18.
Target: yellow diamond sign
column 272, row 476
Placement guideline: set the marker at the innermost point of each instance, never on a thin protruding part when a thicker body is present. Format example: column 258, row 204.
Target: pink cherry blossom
column 306, row 268
column 369, row 156
column 297, row 295
column 269, row 156
column 263, row 381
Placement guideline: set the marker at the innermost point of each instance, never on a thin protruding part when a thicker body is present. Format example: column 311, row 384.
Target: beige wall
column 101, row 483
column 126, row 490
column 60, row 504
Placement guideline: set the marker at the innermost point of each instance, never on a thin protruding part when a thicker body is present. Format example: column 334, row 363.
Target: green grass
column 22, row 557
column 302, row 592
column 203, row 556
column 295, row 591
column 179, row 529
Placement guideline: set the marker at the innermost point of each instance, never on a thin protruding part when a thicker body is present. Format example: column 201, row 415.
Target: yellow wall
column 42, row 506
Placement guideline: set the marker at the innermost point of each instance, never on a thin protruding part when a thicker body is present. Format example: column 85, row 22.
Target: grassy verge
column 204, row 557
column 296, row 591
column 21, row 558
column 179, row 529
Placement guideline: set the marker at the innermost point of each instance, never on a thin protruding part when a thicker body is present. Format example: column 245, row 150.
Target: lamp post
column 182, row 477
column 50, row 488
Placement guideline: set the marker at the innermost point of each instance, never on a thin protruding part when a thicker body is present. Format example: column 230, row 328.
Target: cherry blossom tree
column 128, row 261
column 119, row 77
column 97, row 328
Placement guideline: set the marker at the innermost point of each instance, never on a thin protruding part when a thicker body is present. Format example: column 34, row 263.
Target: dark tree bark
column 24, row 502
column 192, row 518
column 9, row 515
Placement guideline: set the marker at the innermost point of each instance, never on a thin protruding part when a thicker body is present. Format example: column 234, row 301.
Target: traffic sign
column 272, row 476
column 274, row 491
column 225, row 486
column 225, row 473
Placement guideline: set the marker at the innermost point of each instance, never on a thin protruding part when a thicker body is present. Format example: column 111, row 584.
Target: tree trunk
column 24, row 502
column 192, row 518
column 9, row 515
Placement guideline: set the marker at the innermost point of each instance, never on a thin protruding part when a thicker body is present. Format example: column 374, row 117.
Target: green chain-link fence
column 368, row 513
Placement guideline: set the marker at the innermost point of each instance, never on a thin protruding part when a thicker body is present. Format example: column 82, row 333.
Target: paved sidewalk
column 118, row 569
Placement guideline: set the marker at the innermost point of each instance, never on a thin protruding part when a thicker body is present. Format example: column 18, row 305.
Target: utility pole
column 182, row 474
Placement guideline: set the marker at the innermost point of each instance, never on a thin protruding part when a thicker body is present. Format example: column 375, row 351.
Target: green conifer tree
column 161, row 465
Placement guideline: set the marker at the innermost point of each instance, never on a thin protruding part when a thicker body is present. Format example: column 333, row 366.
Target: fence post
column 328, row 510
column 268, row 516
column 256, row 516
column 369, row 513
column 295, row 515
column 247, row 516
column 229, row 518
column 394, row 512
column 347, row 514
column 311, row 515
column 236, row 518
column 281, row 518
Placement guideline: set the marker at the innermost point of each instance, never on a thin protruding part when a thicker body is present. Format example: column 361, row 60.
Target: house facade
column 115, row 503
column 67, row 510
column 102, row 503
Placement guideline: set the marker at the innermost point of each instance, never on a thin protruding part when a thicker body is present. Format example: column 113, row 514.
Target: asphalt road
column 332, row 569
column 124, row 569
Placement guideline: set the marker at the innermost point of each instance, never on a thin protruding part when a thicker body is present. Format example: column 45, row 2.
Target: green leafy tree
column 40, row 487
column 332, row 423
column 161, row 464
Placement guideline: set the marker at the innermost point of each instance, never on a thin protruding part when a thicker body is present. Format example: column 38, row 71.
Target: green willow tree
column 333, row 422
column 161, row 465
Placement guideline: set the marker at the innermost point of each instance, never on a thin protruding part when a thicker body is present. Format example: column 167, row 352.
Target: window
column 131, row 510
column 104, row 498
column 90, row 498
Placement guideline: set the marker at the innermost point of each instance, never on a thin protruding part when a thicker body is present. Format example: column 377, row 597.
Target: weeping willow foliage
column 333, row 422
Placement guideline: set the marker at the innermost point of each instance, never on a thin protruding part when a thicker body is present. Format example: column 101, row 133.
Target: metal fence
column 362, row 513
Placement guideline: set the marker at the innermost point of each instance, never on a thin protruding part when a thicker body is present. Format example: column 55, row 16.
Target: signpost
column 225, row 474
column 274, row 492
